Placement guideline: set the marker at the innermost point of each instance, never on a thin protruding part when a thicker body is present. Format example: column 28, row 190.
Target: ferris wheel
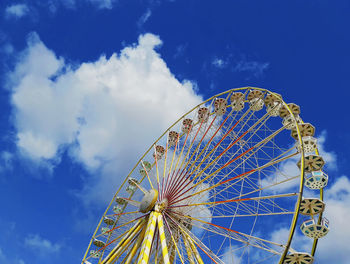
column 219, row 186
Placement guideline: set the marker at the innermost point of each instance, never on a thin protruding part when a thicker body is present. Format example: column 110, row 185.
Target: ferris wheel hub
column 148, row 201
column 161, row 205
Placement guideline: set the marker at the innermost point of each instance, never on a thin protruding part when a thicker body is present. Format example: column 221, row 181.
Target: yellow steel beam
column 136, row 246
column 194, row 249
column 163, row 239
column 124, row 243
column 148, row 239
column 189, row 250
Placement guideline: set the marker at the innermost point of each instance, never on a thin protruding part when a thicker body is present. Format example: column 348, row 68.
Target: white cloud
column 230, row 256
column 105, row 112
column 6, row 159
column 300, row 243
column 9, row 260
column 329, row 157
column 2, row 255
column 17, row 10
column 7, row 49
column 143, row 19
column 219, row 63
column 53, row 5
column 334, row 247
column 240, row 64
column 180, row 51
column 41, row 245
column 103, row 4
column 255, row 67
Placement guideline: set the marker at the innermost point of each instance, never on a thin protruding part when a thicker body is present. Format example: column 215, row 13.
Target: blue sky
column 58, row 147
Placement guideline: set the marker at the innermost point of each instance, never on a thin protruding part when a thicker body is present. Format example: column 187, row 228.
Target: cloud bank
column 103, row 113
column 16, row 10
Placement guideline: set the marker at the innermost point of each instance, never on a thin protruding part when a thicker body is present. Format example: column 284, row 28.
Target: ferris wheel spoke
column 247, row 140
column 238, row 200
column 171, row 165
column 213, row 136
column 165, row 166
column 215, row 147
column 217, row 228
column 257, row 147
column 266, row 187
column 239, row 177
column 192, row 142
column 124, row 213
column 175, row 172
column 197, row 242
column 262, row 119
column 184, row 158
column 245, row 175
column 260, row 144
column 157, row 170
column 182, row 175
column 247, row 215
column 148, row 177
column 247, row 179
column 185, row 177
column 173, row 240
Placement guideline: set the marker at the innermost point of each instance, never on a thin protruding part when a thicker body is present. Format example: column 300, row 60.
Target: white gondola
column 95, row 254
column 187, row 125
column 131, row 189
column 104, row 230
column 289, row 122
column 314, row 230
column 159, row 152
column 117, row 209
column 299, row 258
column 274, row 108
column 203, row 114
column 316, row 180
column 256, row 100
column 309, row 144
column 311, row 206
column 220, row 105
column 132, row 181
column 173, row 138
column 273, row 103
column 145, row 168
column 237, row 101
column 288, row 119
